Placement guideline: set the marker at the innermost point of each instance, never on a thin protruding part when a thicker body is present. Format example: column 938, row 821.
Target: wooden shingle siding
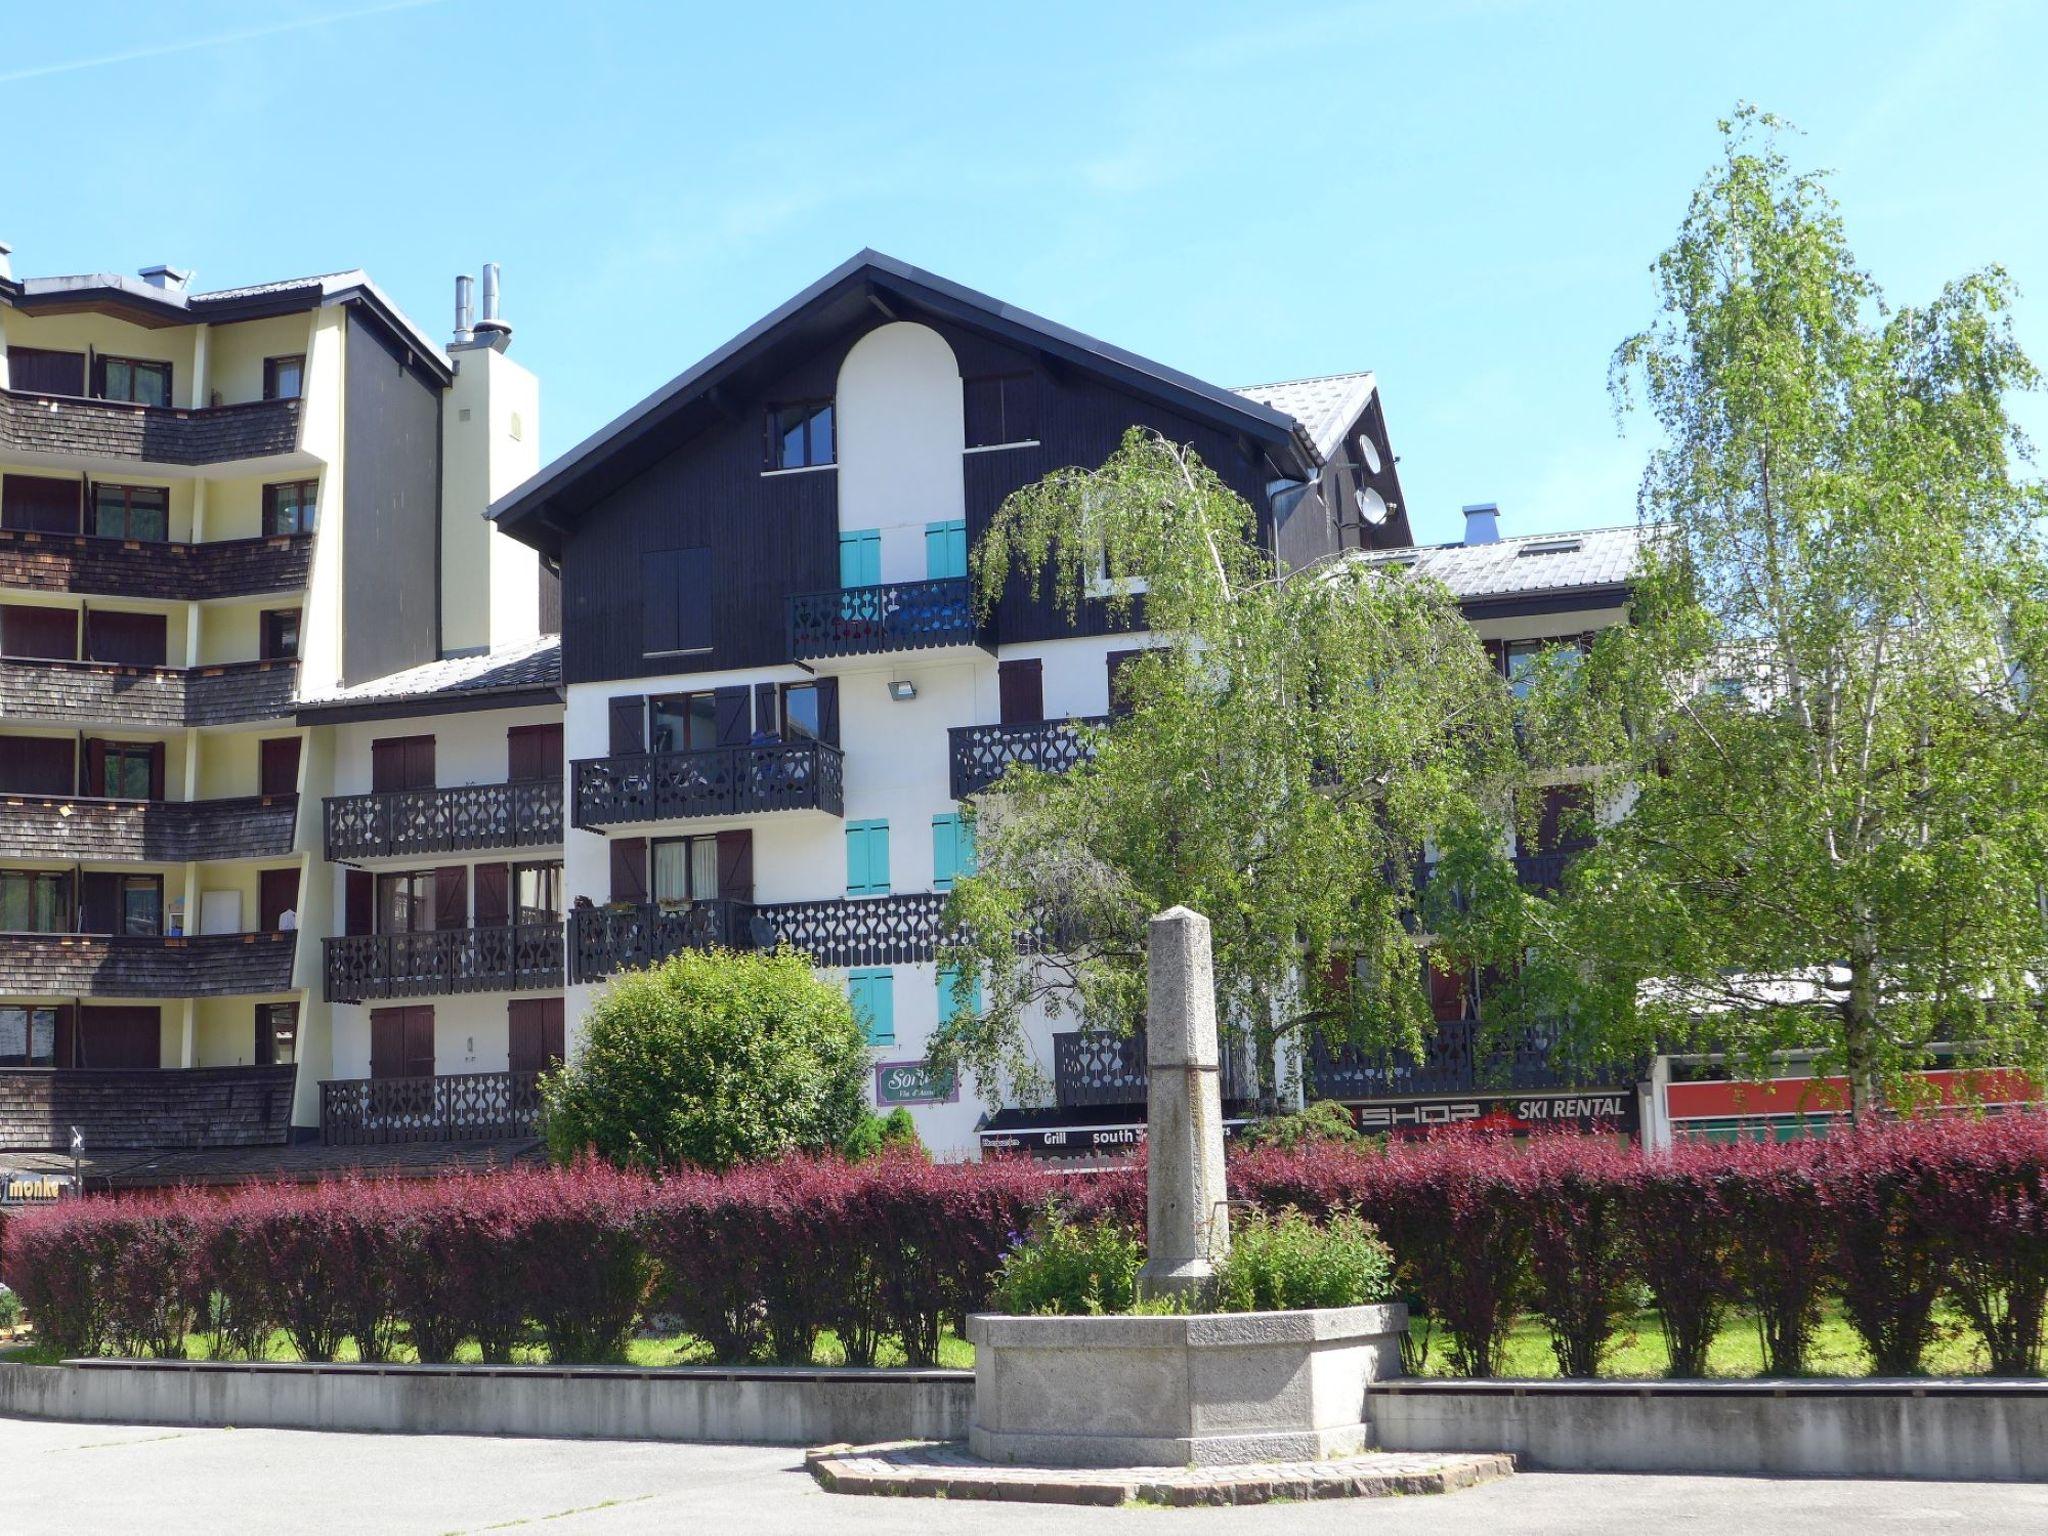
column 60, row 562
column 94, row 965
column 109, row 429
column 116, row 1109
column 166, row 832
column 147, row 696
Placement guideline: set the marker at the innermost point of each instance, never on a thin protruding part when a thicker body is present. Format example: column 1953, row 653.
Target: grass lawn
column 1637, row 1351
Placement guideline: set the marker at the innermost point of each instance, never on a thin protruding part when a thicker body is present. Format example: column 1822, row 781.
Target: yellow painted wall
column 235, row 353
column 105, row 335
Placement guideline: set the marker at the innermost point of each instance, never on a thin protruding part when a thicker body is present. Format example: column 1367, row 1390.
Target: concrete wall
column 750, row 1406
column 1902, row 1428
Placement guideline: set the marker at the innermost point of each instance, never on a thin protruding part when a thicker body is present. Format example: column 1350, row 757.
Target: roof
column 539, row 511
column 145, row 303
column 1325, row 407
column 159, row 1167
column 502, row 679
column 1528, row 565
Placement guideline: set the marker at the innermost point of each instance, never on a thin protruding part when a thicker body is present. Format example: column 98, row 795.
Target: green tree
column 1826, row 706
column 1284, row 752
column 711, row 1059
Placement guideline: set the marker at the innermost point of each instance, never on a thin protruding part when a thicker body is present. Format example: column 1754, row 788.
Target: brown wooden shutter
column 156, row 771
column 736, row 866
column 41, row 371
column 1020, row 691
column 533, row 752
column 40, row 503
column 95, row 768
column 828, row 711
column 130, row 1038
column 451, row 896
column 277, row 892
column 628, row 724
column 419, row 1042
column 129, row 639
column 47, row 633
column 99, row 903
column 537, row 1034
column 279, row 772
column 1446, row 995
column 387, row 1042
column 493, row 895
column 38, row 765
column 629, row 869
column 729, row 708
column 402, row 762
column 766, row 716
column 67, row 1036
column 359, row 902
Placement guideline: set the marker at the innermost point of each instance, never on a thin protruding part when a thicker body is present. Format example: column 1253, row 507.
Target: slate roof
column 160, row 1166
column 1325, row 406
column 1530, row 563
column 521, row 669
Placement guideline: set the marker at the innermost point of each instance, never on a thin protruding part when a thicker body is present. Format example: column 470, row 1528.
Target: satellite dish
column 1369, row 451
column 1372, row 506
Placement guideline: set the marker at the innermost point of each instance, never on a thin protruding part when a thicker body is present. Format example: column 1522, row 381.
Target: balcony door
column 1020, row 691
column 278, row 766
column 402, row 762
column 277, row 892
column 536, row 1031
column 401, row 1042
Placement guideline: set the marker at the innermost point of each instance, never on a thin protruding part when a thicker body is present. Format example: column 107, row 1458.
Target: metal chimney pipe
column 465, row 286
column 490, row 290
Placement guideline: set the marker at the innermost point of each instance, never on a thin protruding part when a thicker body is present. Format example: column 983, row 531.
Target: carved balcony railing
column 1090, row 1068
column 868, row 621
column 72, row 827
column 719, row 781
column 72, row 562
column 32, row 423
column 513, row 957
column 980, row 754
column 1456, row 1059
column 116, row 1108
column 131, row 966
column 524, row 814
column 876, row 930
column 229, row 694
column 470, row 1106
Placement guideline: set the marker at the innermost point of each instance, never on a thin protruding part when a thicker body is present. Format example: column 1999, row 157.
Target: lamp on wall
column 902, row 690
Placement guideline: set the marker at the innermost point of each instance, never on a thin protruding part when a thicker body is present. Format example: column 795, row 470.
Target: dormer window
column 284, row 378
column 1001, row 410
column 799, row 435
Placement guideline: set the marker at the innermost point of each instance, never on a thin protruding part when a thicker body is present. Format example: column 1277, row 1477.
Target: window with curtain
column 128, row 771
column 134, row 380
column 288, row 507
column 800, row 715
column 683, row 722
column 28, row 1036
column 34, row 901
column 405, row 902
column 131, row 512
column 283, row 377
column 537, row 892
column 686, row 869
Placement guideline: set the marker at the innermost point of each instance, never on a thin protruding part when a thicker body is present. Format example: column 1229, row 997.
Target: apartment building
column 213, row 506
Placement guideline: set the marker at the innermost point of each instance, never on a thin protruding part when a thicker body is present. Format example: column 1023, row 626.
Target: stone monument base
column 1213, row 1389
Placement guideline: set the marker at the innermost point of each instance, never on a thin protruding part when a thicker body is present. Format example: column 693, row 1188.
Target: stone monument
column 1187, row 1219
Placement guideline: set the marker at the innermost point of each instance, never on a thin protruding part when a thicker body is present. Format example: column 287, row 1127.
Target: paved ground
column 89, row 1479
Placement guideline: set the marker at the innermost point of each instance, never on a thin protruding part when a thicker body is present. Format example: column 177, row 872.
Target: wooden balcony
column 125, row 966
column 471, row 1106
column 871, row 621
column 520, row 957
column 1457, row 1059
column 34, row 426
column 1092, row 1069
column 527, row 814
column 979, row 755
column 71, row 562
column 876, row 930
column 128, row 1108
column 102, row 691
column 74, row 828
column 720, row 781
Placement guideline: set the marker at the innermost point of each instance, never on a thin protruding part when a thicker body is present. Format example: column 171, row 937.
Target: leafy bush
column 1683, row 1240
column 708, row 1060
column 875, row 1134
column 61, row 1260
column 1890, row 1253
column 1322, row 1121
column 1580, row 1255
column 579, row 1252
column 1070, row 1268
column 1287, row 1262
column 1777, row 1207
column 1993, row 1205
column 155, row 1291
column 10, row 1308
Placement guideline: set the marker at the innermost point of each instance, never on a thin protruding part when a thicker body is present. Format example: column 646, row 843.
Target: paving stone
column 943, row 1469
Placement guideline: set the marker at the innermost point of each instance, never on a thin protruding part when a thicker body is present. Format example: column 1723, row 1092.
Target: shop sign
column 912, row 1082
column 1078, row 1140
column 33, row 1188
column 1612, row 1108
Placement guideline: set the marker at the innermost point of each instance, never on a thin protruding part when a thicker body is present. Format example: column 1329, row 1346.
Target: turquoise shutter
column 963, row 849
column 867, row 858
column 945, row 851
column 949, row 1003
column 860, row 557
column 872, row 991
column 945, row 549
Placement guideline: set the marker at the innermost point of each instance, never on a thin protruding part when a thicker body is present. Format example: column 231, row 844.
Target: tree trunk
column 1859, row 1036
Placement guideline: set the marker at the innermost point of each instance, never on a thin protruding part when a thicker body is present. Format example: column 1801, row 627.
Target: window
column 537, row 889
column 801, row 717
column 872, row 991
column 686, row 869
column 131, row 512
column 799, row 435
column 675, row 602
column 867, row 858
column 142, row 905
column 684, row 722
column 130, row 770
column 860, row 557
column 28, row 1036
column 956, row 1000
column 945, row 550
column 136, row 381
column 533, row 752
column 288, row 507
column 402, row 762
column 284, row 378
column 405, row 902
column 952, row 850
column 280, row 640
column 277, row 1033
column 1523, row 657
column 1000, row 409
column 34, row 901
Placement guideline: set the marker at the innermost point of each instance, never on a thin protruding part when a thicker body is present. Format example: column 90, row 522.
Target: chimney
column 6, row 267
column 1482, row 523
column 465, row 288
column 491, row 330
column 170, row 279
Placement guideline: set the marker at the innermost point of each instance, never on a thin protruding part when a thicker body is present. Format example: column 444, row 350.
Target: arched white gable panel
column 901, row 435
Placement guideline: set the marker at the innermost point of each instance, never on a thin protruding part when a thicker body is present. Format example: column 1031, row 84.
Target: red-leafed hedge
column 759, row 1261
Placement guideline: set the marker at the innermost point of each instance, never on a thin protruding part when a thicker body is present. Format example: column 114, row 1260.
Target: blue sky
column 1463, row 197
